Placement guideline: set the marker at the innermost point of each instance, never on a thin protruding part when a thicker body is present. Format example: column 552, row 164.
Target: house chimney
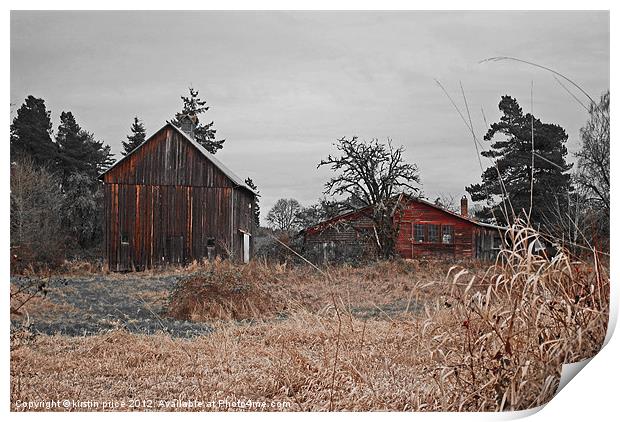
column 464, row 206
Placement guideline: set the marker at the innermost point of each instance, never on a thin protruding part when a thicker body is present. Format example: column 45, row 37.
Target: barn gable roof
column 211, row 157
column 361, row 211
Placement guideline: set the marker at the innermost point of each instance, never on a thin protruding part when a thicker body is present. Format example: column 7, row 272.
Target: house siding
column 468, row 239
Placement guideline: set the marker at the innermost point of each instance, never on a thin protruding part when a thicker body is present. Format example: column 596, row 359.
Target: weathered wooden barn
column 425, row 230
column 170, row 201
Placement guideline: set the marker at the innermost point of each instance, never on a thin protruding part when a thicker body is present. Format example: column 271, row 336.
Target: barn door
column 246, row 248
column 175, row 253
column 124, row 261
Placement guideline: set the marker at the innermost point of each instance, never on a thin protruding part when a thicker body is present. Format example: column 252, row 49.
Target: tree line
column 56, row 197
column 528, row 180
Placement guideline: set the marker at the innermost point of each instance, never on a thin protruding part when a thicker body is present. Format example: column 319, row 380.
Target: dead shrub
column 223, row 291
column 37, row 239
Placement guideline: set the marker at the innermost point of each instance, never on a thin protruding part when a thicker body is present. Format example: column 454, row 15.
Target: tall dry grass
column 442, row 338
column 504, row 335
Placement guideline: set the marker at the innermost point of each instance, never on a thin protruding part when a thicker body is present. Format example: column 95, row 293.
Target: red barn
column 425, row 230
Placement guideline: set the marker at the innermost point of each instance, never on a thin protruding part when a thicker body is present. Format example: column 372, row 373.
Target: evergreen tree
column 513, row 156
column 79, row 152
column 187, row 119
column 252, row 186
column 81, row 210
column 138, row 135
column 31, row 133
column 81, row 160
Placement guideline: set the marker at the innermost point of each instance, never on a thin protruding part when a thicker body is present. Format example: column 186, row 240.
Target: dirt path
column 89, row 305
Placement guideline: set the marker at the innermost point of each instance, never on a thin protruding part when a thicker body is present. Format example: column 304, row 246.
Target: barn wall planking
column 152, row 225
column 168, row 159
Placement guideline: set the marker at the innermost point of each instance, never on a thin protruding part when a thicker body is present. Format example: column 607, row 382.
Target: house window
column 418, row 232
column 433, row 233
column 447, row 235
column 124, row 239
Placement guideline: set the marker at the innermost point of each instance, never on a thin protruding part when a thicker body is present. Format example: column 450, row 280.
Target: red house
column 425, row 230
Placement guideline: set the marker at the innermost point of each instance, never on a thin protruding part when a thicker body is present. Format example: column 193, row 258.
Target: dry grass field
column 402, row 336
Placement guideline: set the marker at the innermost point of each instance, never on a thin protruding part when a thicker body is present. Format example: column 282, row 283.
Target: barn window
column 418, row 232
column 447, row 235
column 497, row 242
column 433, row 233
column 209, row 246
column 124, row 239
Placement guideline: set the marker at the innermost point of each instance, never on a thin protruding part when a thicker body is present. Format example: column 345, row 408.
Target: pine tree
column 203, row 133
column 31, row 133
column 252, row 186
column 79, row 152
column 138, row 135
column 513, row 156
column 81, row 160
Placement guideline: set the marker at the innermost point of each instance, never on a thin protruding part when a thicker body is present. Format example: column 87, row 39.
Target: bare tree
column 448, row 202
column 567, row 221
column 373, row 174
column 284, row 214
column 594, row 157
column 36, row 201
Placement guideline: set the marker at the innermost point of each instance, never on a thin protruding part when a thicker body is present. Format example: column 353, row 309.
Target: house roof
column 327, row 223
column 211, row 157
column 471, row 220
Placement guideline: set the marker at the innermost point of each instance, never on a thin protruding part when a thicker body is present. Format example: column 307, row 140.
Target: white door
column 246, row 248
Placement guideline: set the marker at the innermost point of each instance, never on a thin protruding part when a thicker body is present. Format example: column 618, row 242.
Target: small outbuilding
column 425, row 230
column 170, row 201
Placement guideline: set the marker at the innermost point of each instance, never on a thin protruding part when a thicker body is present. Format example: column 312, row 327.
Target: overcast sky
column 283, row 86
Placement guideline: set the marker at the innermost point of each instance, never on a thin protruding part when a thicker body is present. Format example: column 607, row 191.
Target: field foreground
column 392, row 336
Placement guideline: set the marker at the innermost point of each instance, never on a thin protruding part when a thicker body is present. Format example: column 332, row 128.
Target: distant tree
column 323, row 210
column 252, row 186
column 373, row 174
column 31, row 133
column 79, row 152
column 187, row 119
column 310, row 215
column 594, row 156
column 513, row 156
column 138, row 135
column 448, row 202
column 284, row 214
column 587, row 217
